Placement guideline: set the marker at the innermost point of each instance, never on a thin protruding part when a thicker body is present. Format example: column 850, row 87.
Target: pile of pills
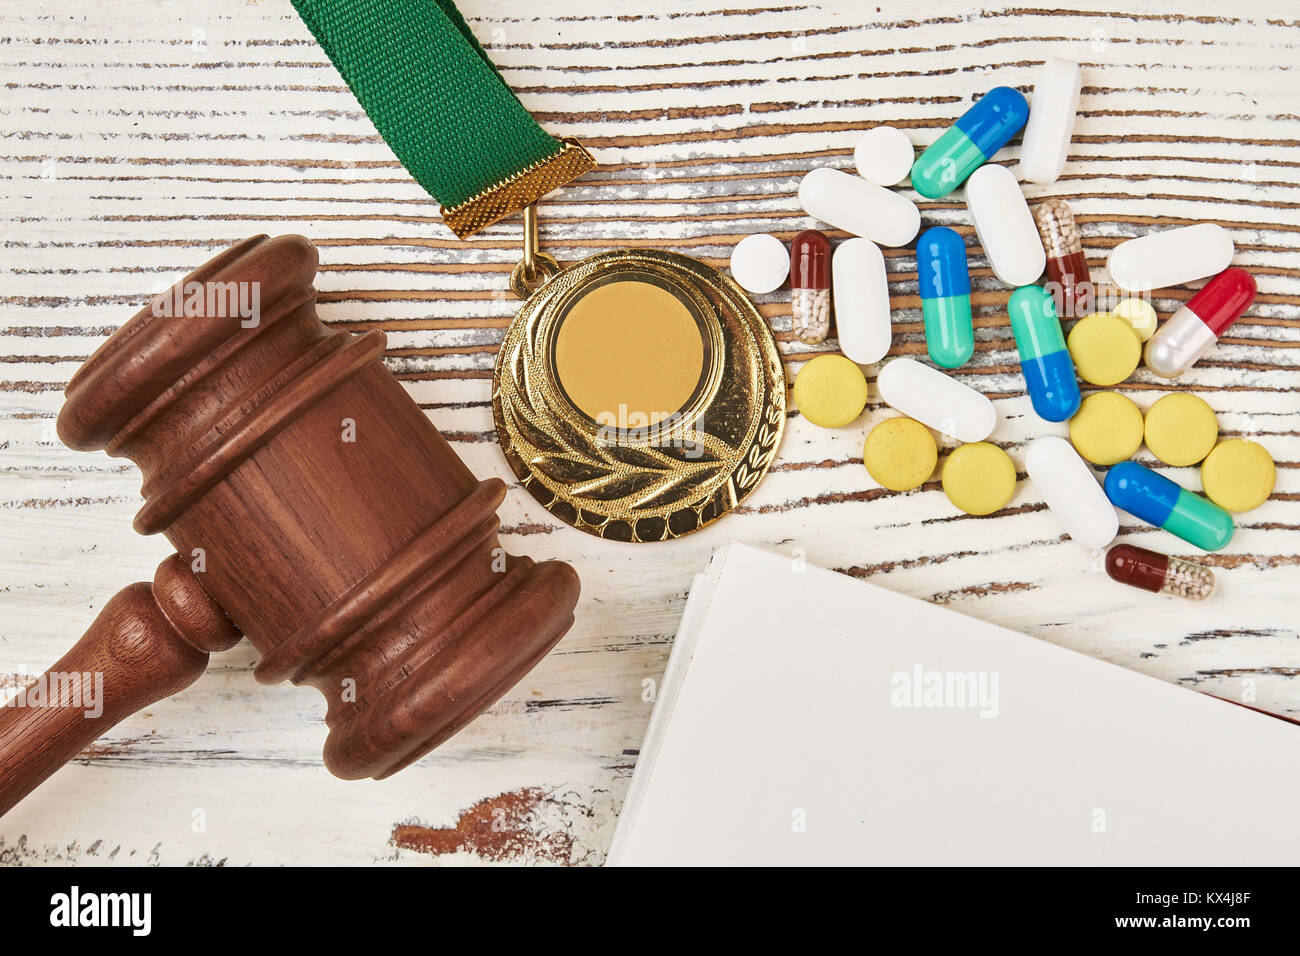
column 1103, row 348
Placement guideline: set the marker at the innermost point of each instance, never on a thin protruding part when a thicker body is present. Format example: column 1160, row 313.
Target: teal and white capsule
column 1044, row 359
column 944, row 283
column 1164, row 503
column 970, row 142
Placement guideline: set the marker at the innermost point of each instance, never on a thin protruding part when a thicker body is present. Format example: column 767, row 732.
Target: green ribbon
column 431, row 91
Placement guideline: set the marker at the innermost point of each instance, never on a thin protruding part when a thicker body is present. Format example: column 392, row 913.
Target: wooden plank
column 140, row 138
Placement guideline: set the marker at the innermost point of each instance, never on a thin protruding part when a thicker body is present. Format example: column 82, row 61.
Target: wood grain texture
column 131, row 152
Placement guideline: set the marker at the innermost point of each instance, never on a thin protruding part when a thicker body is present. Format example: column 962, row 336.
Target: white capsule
column 1170, row 257
column 1046, row 142
column 860, row 207
column 760, row 263
column 861, row 291
column 937, row 400
column 884, row 155
column 1071, row 491
column 1004, row 225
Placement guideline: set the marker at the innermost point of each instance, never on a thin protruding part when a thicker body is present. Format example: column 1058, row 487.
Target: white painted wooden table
column 141, row 136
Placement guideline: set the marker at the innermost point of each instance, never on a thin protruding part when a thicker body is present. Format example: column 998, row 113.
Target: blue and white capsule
column 970, row 142
column 944, row 282
column 1044, row 359
column 1156, row 500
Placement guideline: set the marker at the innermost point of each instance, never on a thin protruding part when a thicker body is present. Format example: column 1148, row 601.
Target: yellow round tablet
column 979, row 478
column 1181, row 429
column 1139, row 314
column 1107, row 428
column 1238, row 474
column 830, row 391
column 1105, row 349
column 900, row 454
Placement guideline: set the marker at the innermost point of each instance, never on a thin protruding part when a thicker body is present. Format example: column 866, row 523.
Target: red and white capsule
column 1189, row 333
column 1159, row 573
column 810, row 286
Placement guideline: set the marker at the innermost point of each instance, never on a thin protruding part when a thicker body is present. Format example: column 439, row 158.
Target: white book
column 806, row 717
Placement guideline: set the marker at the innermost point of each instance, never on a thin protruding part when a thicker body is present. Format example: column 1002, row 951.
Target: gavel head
column 319, row 506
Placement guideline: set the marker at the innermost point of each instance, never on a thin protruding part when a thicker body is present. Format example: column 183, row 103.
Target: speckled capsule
column 1068, row 278
column 810, row 286
column 1159, row 573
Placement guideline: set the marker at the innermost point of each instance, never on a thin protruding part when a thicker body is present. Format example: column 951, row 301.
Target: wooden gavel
column 314, row 508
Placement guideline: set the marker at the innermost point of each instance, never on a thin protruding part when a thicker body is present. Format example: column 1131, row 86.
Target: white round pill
column 884, row 155
column 760, row 263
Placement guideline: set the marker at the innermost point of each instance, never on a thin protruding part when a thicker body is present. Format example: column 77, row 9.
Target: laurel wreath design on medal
column 642, row 484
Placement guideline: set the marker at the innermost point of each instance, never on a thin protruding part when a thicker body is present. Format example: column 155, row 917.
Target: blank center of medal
column 629, row 354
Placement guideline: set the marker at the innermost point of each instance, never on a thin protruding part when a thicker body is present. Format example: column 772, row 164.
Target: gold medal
column 638, row 394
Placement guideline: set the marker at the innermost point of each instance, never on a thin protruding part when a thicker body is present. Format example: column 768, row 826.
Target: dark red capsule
column 810, row 261
column 1068, row 277
column 1139, row 567
column 810, row 286
column 1153, row 571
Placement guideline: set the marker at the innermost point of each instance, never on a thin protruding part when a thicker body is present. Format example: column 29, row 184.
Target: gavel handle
column 148, row 642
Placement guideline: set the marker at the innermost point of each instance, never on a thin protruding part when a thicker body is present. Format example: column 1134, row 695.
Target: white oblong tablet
column 851, row 203
column 884, row 155
column 1046, row 142
column 760, row 263
column 937, row 400
column 1071, row 491
column 1170, row 257
column 1004, row 225
column 860, row 287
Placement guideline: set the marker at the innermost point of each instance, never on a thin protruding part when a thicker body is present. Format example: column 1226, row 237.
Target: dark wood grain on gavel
column 332, row 525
